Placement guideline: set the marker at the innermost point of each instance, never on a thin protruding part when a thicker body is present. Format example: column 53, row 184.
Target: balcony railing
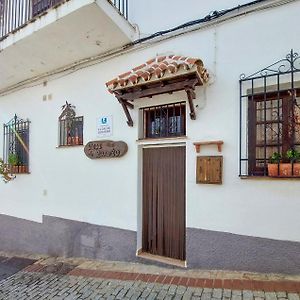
column 14, row 14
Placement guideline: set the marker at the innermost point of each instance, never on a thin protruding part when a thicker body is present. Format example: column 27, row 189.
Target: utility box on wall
column 209, row 169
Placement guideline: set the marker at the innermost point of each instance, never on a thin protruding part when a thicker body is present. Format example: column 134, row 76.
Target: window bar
column 81, row 132
column 278, row 120
column 14, row 14
column 18, row 139
column 265, row 125
column 20, row 12
column 149, row 124
column 240, row 133
column 26, row 141
column 27, row 8
column 14, row 138
column 3, row 145
column 22, row 136
column 63, row 132
column 174, row 121
column 62, row 129
column 59, row 133
column 293, row 105
column 4, row 8
column 180, row 119
column 7, row 142
column 18, row 149
column 155, row 117
column 144, row 120
column 168, row 121
column 161, row 132
column 13, row 18
column 255, row 131
column 7, row 17
column 184, row 119
column 5, row 129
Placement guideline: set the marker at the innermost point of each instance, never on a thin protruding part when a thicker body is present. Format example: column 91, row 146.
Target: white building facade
column 153, row 202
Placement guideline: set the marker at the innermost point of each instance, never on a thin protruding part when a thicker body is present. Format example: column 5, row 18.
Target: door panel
column 164, row 201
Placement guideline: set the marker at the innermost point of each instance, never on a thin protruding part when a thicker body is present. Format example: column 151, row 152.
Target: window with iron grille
column 70, row 127
column 164, row 120
column 269, row 116
column 16, row 145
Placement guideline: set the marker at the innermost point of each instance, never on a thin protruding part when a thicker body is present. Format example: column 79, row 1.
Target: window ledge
column 270, row 177
column 165, row 139
column 68, row 146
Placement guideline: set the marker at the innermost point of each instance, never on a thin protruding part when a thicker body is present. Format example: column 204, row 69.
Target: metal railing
column 122, row 6
column 14, row 14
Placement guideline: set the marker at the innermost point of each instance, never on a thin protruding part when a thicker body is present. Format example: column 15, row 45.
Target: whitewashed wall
column 151, row 16
column 65, row 183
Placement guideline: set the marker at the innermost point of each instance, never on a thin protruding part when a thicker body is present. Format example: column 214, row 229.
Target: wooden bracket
column 125, row 105
column 191, row 96
column 217, row 143
column 130, row 94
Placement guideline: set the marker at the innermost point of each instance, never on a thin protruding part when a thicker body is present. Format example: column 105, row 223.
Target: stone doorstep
column 232, row 284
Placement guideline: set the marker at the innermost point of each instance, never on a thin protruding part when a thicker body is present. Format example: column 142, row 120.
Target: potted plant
column 13, row 161
column 294, row 157
column 4, row 172
column 274, row 164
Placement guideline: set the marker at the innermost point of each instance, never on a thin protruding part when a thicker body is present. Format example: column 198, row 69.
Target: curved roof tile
column 157, row 69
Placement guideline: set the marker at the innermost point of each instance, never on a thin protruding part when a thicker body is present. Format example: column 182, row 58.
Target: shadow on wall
column 61, row 237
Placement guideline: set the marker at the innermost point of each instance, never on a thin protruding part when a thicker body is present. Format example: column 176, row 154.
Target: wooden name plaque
column 105, row 149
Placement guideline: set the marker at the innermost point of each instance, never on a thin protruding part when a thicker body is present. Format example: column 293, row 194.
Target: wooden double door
column 164, row 201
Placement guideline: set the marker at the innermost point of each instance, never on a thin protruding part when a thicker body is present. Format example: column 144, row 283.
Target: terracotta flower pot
column 285, row 170
column 76, row 140
column 14, row 169
column 296, row 169
column 273, row 170
column 69, row 140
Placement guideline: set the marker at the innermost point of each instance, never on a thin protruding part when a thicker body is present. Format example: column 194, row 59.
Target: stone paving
column 34, row 285
column 11, row 265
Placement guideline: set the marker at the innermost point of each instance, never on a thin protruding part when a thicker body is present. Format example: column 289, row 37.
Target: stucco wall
column 170, row 13
column 65, row 183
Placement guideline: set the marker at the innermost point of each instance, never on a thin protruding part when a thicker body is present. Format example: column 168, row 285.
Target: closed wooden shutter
column 209, row 169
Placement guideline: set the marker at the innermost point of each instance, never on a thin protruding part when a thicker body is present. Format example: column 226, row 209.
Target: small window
column 272, row 127
column 16, row 145
column 270, row 120
column 164, row 120
column 70, row 127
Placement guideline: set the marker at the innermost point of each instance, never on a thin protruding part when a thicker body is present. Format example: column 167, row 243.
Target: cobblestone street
column 27, row 285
